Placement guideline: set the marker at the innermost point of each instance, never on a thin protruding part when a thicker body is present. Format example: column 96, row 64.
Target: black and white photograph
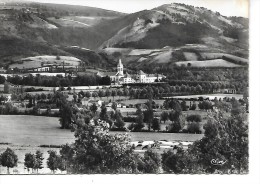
column 137, row 87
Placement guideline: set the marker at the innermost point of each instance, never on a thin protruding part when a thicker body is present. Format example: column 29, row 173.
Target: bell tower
column 120, row 68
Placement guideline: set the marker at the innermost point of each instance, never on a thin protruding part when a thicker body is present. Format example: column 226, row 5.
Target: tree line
column 54, row 81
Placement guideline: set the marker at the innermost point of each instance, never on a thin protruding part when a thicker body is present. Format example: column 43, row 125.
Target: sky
column 225, row 7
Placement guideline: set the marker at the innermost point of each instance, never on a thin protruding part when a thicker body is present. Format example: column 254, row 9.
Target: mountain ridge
column 170, row 26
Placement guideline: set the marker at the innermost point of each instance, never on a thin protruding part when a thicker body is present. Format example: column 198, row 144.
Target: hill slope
column 163, row 35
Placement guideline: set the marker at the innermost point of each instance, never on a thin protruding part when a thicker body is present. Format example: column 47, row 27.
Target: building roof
column 128, row 75
column 141, row 73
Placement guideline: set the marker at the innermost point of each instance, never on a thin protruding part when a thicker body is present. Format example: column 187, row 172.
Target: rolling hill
column 167, row 34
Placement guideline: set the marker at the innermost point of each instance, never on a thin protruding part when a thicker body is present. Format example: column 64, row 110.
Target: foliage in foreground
column 223, row 149
column 97, row 151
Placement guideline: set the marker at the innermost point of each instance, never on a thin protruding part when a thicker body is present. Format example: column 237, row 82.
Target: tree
column 119, row 93
column 96, row 151
column 94, row 108
column 114, row 93
column 9, row 159
column 236, row 108
column 53, row 161
column 175, row 127
column 149, row 114
column 114, row 106
column 206, row 105
column 65, row 115
column 174, row 162
column 139, row 122
column 108, row 93
column 193, row 127
column 88, row 94
column 184, row 106
column 132, row 93
column 126, row 92
column 156, row 124
column 101, row 93
column 193, row 107
column 29, row 161
column 38, row 160
column 199, row 89
column 119, row 123
column 94, row 94
column 225, row 139
column 164, row 116
column 194, row 117
column 151, row 162
column 103, row 113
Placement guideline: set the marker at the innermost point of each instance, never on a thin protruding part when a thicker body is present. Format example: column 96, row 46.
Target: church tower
column 120, row 68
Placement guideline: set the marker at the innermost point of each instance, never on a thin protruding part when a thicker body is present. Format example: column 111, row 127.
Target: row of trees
column 32, row 161
column 54, row 81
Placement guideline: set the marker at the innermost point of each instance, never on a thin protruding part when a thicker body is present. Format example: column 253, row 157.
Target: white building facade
column 120, row 78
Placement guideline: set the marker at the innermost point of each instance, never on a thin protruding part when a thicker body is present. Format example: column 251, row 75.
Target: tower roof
column 120, row 63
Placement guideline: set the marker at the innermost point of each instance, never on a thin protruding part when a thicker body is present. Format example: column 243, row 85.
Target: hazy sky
column 225, row 7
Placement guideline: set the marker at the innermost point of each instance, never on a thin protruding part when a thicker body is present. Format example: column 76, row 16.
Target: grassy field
column 209, row 63
column 24, row 134
column 33, row 130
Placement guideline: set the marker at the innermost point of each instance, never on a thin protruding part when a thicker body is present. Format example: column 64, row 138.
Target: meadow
column 24, row 134
column 209, row 63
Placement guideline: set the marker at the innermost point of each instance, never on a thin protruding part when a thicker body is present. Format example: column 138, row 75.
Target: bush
column 156, row 124
column 194, row 117
column 193, row 107
column 175, row 127
column 205, row 105
column 184, row 106
column 194, row 127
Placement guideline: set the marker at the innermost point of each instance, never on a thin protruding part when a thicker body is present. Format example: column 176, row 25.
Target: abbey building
column 119, row 77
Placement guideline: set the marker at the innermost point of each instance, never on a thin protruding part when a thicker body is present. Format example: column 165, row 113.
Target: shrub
column 205, row 105
column 194, row 117
column 156, row 124
column 194, row 127
column 184, row 106
column 175, row 127
column 193, row 107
